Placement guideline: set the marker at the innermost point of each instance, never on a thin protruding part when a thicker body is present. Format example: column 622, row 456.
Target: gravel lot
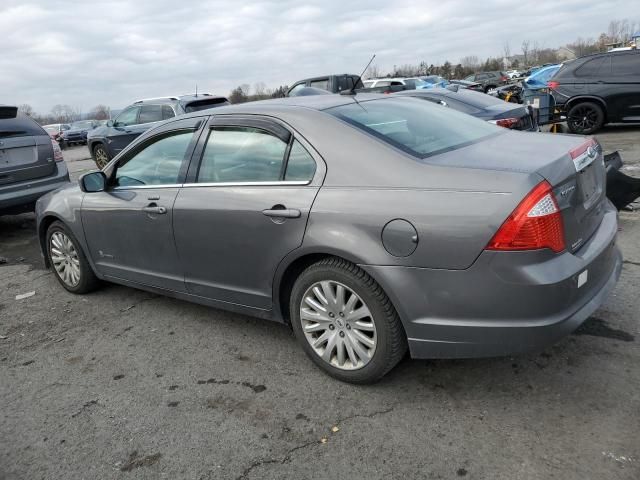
column 126, row 384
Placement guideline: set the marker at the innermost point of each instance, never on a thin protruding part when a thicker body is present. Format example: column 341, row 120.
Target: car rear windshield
column 204, row 104
column 82, row 124
column 21, row 126
column 417, row 127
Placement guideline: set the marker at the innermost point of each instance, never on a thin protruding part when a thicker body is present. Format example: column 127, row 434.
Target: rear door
column 623, row 87
column 26, row 152
column 244, row 208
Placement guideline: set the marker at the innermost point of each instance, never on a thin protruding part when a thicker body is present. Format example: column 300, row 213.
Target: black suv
column 31, row 163
column 107, row 141
column 598, row 89
column 489, row 80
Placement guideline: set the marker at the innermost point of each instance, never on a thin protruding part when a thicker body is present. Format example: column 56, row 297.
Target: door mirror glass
column 93, row 182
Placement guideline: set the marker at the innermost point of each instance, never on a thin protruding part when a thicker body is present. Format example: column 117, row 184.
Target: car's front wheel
column 585, row 118
column 345, row 322
column 68, row 261
column 100, row 156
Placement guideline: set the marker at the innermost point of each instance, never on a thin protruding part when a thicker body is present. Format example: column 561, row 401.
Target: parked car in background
column 479, row 105
column 77, row 132
column 512, row 74
column 489, row 80
column 475, row 86
column 509, row 93
column 31, row 162
column 107, row 141
column 330, row 83
column 435, row 81
column 55, row 130
column 598, row 89
column 371, row 224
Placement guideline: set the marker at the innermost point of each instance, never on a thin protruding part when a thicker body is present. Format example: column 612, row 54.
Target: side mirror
column 93, row 182
column 110, row 123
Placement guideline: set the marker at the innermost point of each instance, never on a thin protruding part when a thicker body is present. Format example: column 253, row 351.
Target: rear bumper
column 20, row 197
column 506, row 302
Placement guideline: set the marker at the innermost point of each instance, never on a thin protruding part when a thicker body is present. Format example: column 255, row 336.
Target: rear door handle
column 282, row 213
column 154, row 209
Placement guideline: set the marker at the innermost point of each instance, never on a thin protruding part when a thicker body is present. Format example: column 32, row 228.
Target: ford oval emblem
column 592, row 152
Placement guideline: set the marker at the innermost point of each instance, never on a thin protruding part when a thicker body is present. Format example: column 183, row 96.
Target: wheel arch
column 43, row 226
column 573, row 101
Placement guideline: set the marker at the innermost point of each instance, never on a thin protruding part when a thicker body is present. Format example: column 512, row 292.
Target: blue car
column 434, row 81
column 541, row 76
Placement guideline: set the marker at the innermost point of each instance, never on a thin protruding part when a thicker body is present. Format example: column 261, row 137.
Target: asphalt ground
column 126, row 384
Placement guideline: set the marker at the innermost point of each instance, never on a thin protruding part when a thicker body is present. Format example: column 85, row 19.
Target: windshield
column 433, row 79
column 86, row 124
column 415, row 126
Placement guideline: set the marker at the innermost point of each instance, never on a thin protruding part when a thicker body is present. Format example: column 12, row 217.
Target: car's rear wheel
column 488, row 87
column 100, row 156
column 585, row 118
column 69, row 264
column 345, row 322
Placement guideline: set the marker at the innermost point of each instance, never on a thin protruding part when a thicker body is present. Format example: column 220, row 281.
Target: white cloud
column 84, row 53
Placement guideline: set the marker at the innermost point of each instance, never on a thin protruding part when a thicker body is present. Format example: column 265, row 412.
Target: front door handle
column 282, row 213
column 154, row 209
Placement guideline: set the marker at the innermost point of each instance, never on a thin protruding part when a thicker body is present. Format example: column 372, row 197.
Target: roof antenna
column 352, row 90
column 196, row 89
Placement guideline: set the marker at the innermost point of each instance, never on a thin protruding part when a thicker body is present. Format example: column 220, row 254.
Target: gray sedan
column 371, row 224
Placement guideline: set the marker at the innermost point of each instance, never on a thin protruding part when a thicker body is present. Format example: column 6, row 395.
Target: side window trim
column 186, row 162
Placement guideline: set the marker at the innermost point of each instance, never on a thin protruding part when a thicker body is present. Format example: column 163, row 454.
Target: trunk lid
column 573, row 165
column 26, row 152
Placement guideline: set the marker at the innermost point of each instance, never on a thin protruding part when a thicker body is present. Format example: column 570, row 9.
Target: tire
column 86, row 279
column 100, row 155
column 489, row 87
column 585, row 118
column 387, row 334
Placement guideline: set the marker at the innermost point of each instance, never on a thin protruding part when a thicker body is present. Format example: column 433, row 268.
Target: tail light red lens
column 536, row 223
column 57, row 152
column 505, row 122
column 553, row 85
column 504, row 79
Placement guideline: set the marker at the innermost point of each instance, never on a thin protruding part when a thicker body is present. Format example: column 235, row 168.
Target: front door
column 129, row 227
column 245, row 210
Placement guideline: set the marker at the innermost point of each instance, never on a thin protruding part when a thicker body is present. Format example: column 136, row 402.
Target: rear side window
column 21, row 126
column 241, row 154
column 417, row 127
column 590, row 68
column 301, row 165
column 167, row 112
column 205, row 104
column 624, row 65
column 322, row 84
column 150, row 113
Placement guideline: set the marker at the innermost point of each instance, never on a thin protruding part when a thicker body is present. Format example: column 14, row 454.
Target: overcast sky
column 87, row 52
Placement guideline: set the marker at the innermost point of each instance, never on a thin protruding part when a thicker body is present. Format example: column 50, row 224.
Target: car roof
column 311, row 102
column 176, row 98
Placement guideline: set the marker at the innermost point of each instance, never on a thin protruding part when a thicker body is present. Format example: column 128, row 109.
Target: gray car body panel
column 452, row 295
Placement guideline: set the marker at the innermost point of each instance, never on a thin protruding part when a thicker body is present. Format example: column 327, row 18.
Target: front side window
column 295, row 90
column 417, row 127
column 158, row 163
column 129, row 116
column 241, row 154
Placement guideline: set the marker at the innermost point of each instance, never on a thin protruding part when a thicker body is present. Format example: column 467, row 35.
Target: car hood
column 98, row 131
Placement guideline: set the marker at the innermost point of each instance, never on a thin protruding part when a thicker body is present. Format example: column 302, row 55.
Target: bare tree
column 470, row 62
column 26, row 109
column 100, row 112
column 525, row 51
column 506, row 49
column 259, row 88
column 373, row 72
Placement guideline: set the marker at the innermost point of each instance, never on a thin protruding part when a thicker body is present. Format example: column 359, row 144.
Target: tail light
column 504, row 79
column 57, row 152
column 535, row 223
column 505, row 122
column 553, row 84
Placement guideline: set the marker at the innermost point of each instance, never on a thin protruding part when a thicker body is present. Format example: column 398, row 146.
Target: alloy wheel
column 101, row 157
column 583, row 118
column 64, row 257
column 338, row 325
